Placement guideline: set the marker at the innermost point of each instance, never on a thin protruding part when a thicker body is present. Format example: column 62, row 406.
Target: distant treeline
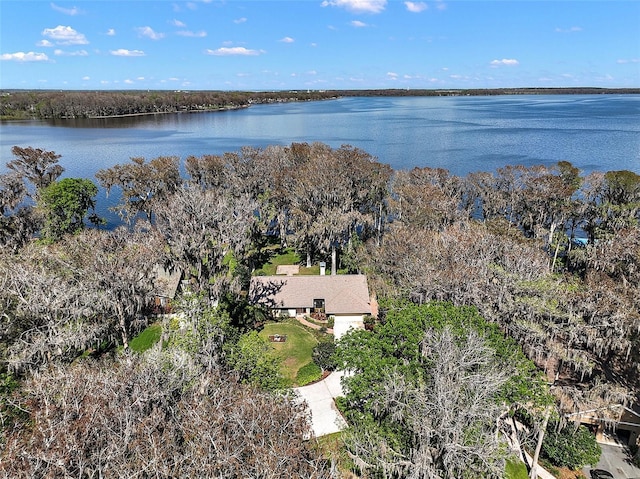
column 489, row 91
column 47, row 104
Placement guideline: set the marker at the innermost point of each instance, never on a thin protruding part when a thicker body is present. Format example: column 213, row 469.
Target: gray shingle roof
column 343, row 293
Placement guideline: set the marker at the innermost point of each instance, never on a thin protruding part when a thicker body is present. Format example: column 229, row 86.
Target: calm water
column 462, row 134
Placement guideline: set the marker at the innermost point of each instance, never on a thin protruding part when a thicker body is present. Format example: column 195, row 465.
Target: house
column 166, row 286
column 623, row 420
column 345, row 297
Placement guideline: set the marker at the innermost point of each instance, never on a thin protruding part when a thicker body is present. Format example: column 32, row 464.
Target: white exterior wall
column 343, row 323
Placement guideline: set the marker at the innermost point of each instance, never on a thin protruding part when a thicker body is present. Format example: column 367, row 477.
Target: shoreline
column 127, row 115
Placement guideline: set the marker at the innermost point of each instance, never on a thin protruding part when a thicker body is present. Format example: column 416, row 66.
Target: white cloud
column 189, row 33
column 128, row 82
column 568, row 30
column 624, row 61
column 77, row 53
column 24, row 57
column 392, row 75
column 358, row 24
column 121, row 52
column 505, row 61
column 416, row 7
column 44, row 43
column 64, row 36
column 178, row 23
column 440, row 5
column 287, row 40
column 233, row 51
column 358, row 6
column 149, row 33
column 240, row 20
column 111, row 32
column 67, row 11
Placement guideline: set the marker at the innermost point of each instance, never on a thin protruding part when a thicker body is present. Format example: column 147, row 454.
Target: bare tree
column 39, row 167
column 202, row 227
column 428, row 198
column 143, row 184
column 151, row 417
column 332, row 195
column 447, row 424
column 89, row 289
column 18, row 222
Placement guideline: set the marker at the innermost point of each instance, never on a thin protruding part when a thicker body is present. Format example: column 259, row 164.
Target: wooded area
column 546, row 256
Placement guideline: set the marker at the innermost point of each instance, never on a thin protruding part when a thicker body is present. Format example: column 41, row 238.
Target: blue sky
column 318, row 44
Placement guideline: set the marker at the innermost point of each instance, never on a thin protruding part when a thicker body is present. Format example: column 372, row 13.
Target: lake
column 461, row 134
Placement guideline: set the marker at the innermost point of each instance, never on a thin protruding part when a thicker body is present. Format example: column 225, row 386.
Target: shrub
column 569, row 447
column 323, row 355
column 255, row 361
column 308, row 373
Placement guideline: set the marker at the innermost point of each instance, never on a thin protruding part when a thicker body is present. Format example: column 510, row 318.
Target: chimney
column 323, row 268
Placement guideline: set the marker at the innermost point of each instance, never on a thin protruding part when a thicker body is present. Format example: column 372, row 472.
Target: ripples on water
column 461, row 134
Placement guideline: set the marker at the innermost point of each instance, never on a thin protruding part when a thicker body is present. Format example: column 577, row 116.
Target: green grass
column 296, row 351
column 288, row 256
column 313, row 270
column 515, row 469
column 146, row 339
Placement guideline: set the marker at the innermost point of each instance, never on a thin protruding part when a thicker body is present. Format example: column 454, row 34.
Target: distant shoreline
column 18, row 105
column 126, row 115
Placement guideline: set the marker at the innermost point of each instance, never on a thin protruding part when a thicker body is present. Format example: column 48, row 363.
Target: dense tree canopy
column 428, row 385
column 149, row 416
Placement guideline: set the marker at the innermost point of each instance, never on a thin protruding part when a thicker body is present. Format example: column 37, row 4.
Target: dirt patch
column 287, row 269
column 569, row 474
column 290, row 362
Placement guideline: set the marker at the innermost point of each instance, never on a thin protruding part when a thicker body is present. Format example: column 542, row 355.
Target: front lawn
column 296, row 351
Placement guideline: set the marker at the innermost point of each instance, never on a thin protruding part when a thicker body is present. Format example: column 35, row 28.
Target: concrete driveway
column 617, row 460
column 325, row 417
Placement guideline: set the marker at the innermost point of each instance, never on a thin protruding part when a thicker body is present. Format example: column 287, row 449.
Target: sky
column 268, row 45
